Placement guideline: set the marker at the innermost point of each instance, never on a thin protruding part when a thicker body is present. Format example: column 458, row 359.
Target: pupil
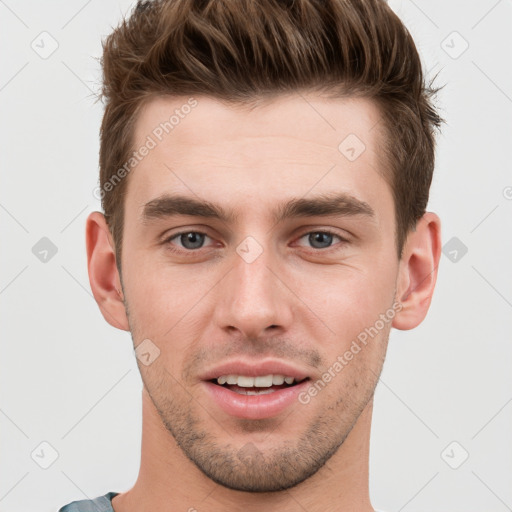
column 320, row 240
column 192, row 240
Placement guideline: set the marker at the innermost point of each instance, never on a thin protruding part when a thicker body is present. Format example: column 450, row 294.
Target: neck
column 168, row 480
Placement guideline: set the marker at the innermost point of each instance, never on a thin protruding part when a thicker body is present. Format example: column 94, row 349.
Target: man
column 265, row 168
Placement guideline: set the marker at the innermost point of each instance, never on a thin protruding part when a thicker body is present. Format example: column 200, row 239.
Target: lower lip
column 254, row 407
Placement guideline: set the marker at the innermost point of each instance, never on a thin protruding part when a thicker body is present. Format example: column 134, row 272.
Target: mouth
column 258, row 385
column 255, row 397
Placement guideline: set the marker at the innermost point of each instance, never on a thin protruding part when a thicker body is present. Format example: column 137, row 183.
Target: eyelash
column 172, row 248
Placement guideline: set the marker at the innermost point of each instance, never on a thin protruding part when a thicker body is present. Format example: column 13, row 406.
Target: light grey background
column 69, row 379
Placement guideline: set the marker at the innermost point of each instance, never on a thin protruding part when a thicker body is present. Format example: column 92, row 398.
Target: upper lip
column 255, row 368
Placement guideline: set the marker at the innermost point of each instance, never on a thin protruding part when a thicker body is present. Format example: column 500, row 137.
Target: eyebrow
column 339, row 204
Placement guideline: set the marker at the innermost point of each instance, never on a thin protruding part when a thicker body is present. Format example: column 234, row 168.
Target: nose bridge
column 253, row 299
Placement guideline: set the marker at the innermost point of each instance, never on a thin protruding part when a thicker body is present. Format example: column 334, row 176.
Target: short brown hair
column 245, row 50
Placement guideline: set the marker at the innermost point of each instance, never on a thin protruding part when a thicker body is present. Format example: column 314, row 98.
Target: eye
column 321, row 239
column 194, row 240
column 189, row 240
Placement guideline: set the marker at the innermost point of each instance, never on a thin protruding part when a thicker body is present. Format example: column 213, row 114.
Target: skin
column 295, row 302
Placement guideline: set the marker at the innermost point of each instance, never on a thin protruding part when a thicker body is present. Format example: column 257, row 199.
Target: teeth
column 245, row 382
column 277, row 380
column 254, row 392
column 231, row 379
column 263, row 381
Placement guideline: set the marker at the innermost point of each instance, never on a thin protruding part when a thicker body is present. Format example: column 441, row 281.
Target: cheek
column 347, row 301
column 164, row 300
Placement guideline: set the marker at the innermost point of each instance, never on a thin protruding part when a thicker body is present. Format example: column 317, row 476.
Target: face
column 283, row 269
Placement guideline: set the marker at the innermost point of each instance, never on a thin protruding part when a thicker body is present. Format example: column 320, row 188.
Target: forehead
column 204, row 120
column 286, row 146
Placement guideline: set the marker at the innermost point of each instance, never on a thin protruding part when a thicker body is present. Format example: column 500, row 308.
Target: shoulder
column 99, row 504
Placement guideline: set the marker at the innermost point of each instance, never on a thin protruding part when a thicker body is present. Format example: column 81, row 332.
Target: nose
column 253, row 299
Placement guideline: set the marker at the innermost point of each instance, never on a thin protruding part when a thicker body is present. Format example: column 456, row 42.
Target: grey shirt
column 99, row 504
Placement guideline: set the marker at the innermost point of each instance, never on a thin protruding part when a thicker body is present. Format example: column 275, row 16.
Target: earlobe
column 418, row 272
column 103, row 274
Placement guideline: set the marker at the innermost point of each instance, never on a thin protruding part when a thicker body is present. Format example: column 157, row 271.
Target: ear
column 418, row 272
column 103, row 274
